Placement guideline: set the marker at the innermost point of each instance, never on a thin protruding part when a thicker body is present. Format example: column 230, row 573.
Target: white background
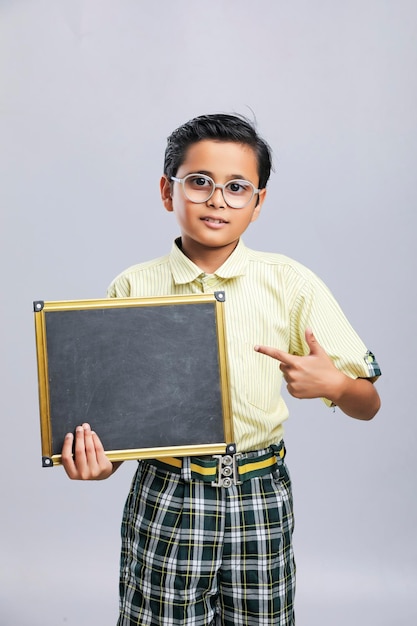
column 89, row 91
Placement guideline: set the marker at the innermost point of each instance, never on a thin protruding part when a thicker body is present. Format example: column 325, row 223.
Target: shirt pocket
column 257, row 377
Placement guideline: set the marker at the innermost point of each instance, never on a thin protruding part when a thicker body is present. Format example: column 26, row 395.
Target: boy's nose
column 217, row 199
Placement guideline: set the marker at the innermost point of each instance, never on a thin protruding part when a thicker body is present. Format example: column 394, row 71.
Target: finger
column 67, row 456
column 80, row 456
column 294, row 391
column 99, row 449
column 279, row 355
column 313, row 344
column 89, row 446
column 286, row 371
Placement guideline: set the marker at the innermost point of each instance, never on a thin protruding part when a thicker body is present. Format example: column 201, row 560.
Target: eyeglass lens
column 237, row 193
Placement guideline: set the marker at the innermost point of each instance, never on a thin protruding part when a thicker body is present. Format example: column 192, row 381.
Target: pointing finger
column 279, row 355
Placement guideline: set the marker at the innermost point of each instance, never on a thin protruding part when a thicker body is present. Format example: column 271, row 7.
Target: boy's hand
column 310, row 376
column 89, row 461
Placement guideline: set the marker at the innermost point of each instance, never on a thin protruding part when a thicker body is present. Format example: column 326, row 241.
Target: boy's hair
column 218, row 127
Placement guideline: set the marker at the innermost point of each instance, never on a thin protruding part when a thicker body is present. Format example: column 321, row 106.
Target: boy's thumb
column 312, row 341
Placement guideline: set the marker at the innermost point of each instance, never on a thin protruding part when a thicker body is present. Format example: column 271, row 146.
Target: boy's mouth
column 213, row 220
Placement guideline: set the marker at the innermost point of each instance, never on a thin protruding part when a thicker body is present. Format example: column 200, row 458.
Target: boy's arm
column 89, row 461
column 316, row 376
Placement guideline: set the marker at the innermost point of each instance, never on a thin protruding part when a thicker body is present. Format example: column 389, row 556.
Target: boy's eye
column 199, row 181
column 238, row 186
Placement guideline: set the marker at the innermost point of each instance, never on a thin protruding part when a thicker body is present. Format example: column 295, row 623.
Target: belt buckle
column 227, row 468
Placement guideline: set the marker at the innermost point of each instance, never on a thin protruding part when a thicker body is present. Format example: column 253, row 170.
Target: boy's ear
column 257, row 209
column 166, row 193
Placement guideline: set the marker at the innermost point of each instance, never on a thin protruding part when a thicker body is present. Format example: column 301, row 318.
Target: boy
column 194, row 553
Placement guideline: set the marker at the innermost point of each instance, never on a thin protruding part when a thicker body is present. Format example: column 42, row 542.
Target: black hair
column 219, row 127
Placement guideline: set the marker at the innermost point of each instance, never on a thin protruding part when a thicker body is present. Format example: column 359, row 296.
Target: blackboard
column 148, row 374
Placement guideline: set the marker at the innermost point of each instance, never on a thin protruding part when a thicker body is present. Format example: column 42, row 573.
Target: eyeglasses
column 199, row 188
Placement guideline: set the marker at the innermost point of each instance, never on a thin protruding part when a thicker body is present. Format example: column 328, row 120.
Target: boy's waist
column 223, row 470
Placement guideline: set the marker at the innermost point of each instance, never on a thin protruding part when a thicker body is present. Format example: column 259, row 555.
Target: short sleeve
column 119, row 288
column 315, row 307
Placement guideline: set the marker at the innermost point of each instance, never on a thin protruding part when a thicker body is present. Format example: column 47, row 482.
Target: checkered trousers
column 198, row 555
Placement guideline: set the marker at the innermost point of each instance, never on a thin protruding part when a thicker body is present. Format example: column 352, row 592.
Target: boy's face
column 213, row 225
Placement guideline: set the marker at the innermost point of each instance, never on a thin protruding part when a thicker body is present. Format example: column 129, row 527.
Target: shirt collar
column 185, row 271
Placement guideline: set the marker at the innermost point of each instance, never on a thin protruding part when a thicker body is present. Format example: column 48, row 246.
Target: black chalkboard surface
column 148, row 374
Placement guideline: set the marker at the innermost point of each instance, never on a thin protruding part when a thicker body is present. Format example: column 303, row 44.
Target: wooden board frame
column 74, row 339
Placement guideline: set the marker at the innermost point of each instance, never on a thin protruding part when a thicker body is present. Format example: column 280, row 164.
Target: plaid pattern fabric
column 198, row 555
column 373, row 367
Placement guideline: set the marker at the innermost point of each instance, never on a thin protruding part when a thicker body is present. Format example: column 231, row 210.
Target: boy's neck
column 207, row 259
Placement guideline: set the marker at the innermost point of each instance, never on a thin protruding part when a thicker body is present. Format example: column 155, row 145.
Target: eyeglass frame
column 217, row 186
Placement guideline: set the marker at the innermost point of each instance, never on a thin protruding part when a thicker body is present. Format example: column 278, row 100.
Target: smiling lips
column 212, row 220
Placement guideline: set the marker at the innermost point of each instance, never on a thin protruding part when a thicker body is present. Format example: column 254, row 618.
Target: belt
column 223, row 470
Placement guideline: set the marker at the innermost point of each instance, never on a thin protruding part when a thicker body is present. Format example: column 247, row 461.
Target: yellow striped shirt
column 270, row 300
